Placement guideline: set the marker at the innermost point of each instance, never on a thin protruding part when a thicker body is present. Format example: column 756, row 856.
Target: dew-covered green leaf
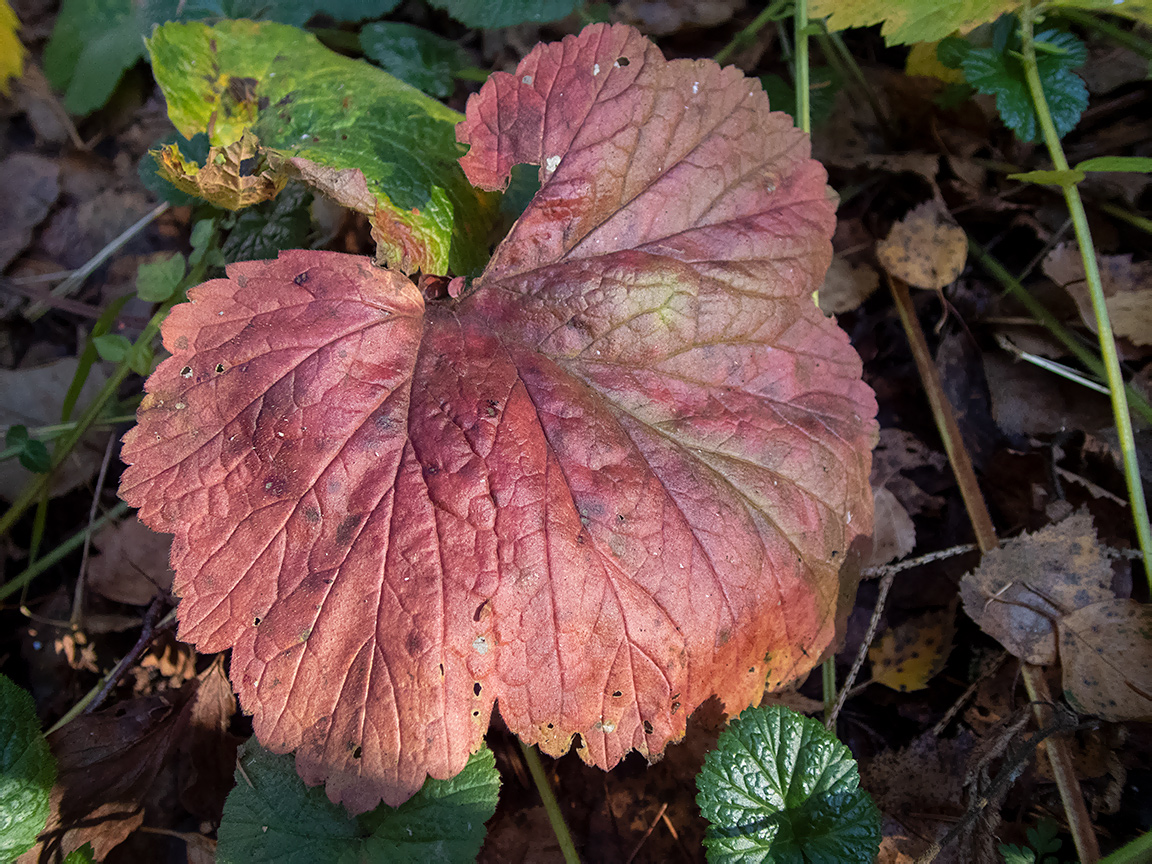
column 271, row 816
column 27, row 772
column 1000, row 73
column 779, row 787
column 488, row 14
column 359, row 135
column 156, row 281
column 414, row 55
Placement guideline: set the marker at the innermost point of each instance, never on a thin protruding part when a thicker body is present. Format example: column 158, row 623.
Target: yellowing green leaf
column 908, row 21
column 11, row 49
column 225, row 178
column 923, row 62
column 360, row 136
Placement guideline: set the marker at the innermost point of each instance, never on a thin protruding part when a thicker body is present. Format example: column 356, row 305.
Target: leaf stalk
column 551, row 807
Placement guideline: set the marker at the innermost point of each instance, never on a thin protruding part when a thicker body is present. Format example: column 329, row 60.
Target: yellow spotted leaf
column 234, row 177
column 1106, row 654
column 11, row 49
column 925, row 248
column 907, row 657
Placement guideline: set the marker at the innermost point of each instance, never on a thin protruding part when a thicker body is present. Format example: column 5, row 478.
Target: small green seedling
column 779, row 787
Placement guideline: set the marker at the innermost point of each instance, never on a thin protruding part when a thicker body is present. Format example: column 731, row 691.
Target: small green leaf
column 1050, row 178
column 32, row 454
column 1139, row 164
column 156, row 281
column 140, row 358
column 1000, row 73
column 268, row 228
column 112, row 347
column 271, row 816
column 1017, row 854
column 83, row 855
column 415, row 56
column 952, row 50
column 779, row 787
column 27, row 772
column 488, row 14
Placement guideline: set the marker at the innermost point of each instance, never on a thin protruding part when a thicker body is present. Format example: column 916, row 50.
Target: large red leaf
column 618, row 475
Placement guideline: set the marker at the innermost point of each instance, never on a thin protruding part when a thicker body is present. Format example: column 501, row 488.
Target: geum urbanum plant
column 617, row 473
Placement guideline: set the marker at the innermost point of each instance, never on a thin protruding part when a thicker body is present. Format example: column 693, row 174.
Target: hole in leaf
column 476, row 713
column 256, row 621
column 617, row 694
column 219, row 368
column 357, row 753
column 186, row 372
column 647, row 728
column 476, row 688
column 622, row 61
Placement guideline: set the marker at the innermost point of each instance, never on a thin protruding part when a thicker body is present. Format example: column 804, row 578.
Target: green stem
column 745, row 36
column 1096, row 291
column 803, row 94
column 68, row 546
column 559, row 827
column 48, row 433
column 1117, row 34
column 1138, row 850
column 1038, row 311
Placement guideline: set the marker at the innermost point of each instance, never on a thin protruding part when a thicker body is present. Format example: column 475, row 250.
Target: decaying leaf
column 1127, row 290
column 925, row 248
column 1106, row 654
column 894, row 533
column 233, row 177
column 907, row 657
column 614, row 476
column 132, row 565
column 1020, row 590
column 846, row 286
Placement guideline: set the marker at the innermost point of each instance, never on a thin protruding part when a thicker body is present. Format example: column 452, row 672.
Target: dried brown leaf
column 1106, row 652
column 925, row 248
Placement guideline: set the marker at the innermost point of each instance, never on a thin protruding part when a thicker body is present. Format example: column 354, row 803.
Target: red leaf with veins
column 614, row 476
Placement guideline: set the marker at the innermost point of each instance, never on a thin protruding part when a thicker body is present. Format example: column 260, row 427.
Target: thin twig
column 873, row 625
column 647, row 834
column 146, row 633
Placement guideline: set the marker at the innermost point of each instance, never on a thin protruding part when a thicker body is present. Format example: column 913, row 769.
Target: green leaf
column 268, row 228
column 415, row 56
column 779, row 787
column 370, row 141
column 271, row 816
column 31, row 453
column 1000, row 73
column 1140, row 164
column 488, row 14
column 1044, row 837
column 907, row 21
column 83, row 855
column 824, row 84
column 93, row 43
column 27, row 772
column 952, row 51
column 1017, row 854
column 112, row 347
column 1050, row 178
column 156, row 281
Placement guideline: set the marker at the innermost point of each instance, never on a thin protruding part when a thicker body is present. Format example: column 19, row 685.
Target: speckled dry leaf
column 1020, row 590
column 1127, row 290
column 907, row 657
column 846, row 287
column 613, row 477
column 925, row 248
column 232, row 177
column 1106, row 653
